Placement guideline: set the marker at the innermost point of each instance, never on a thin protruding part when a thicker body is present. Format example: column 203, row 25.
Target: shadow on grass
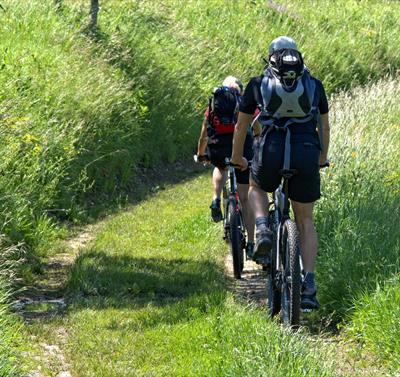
column 117, row 281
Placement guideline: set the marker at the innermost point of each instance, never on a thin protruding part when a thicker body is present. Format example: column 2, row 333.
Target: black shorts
column 304, row 187
column 220, row 147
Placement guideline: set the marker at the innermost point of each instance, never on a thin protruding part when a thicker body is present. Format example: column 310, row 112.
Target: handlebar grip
column 199, row 159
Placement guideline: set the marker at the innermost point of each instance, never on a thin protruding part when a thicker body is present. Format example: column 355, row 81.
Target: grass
column 359, row 215
column 10, row 326
column 375, row 324
column 150, row 298
column 83, row 112
column 9, row 336
column 145, row 305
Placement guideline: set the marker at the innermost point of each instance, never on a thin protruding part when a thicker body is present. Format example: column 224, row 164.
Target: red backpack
column 222, row 110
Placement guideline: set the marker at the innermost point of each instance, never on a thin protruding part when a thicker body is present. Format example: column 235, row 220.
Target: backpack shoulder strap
column 210, row 106
column 310, row 87
column 266, row 88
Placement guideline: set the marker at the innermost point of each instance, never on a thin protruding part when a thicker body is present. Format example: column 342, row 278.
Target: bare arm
column 202, row 144
column 256, row 129
column 239, row 137
column 325, row 137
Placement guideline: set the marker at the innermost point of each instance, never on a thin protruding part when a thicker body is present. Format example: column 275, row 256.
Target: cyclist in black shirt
column 291, row 100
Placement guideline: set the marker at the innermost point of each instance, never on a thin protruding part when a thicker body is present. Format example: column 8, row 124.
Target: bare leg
column 303, row 213
column 259, row 202
column 218, row 179
column 248, row 215
column 258, row 199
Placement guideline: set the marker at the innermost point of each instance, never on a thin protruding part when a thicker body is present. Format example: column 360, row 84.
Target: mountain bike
column 234, row 228
column 233, row 222
column 285, row 271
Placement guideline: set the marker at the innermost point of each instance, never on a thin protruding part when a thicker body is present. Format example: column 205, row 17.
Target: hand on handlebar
column 201, row 159
column 323, row 161
column 241, row 163
column 324, row 164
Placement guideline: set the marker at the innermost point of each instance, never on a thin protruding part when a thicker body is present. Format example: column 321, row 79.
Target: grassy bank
column 81, row 113
column 359, row 215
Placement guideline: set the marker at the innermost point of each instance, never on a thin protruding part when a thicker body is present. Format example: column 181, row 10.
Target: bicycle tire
column 225, row 215
column 291, row 287
column 273, row 288
column 235, row 238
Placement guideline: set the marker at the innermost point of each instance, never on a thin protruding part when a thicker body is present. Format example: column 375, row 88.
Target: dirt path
column 252, row 284
column 47, row 300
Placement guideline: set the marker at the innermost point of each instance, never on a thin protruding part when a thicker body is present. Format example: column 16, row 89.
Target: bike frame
column 230, row 192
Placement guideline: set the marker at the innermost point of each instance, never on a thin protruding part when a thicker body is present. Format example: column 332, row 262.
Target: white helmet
column 233, row 82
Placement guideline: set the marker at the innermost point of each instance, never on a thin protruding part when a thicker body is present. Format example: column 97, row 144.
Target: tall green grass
column 81, row 112
column 10, row 335
column 359, row 215
column 375, row 322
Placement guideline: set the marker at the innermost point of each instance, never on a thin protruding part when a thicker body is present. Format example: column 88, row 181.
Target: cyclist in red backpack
column 216, row 141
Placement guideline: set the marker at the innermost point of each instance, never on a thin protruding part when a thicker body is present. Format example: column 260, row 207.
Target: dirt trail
column 47, row 300
column 252, row 284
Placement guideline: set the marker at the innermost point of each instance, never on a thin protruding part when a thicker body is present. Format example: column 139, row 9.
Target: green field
column 84, row 115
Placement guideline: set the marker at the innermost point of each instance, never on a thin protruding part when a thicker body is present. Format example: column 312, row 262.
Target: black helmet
column 287, row 64
column 285, row 60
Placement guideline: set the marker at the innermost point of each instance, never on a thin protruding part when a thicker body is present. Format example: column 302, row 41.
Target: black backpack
column 222, row 110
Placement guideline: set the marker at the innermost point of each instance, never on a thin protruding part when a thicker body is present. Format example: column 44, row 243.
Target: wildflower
column 37, row 149
column 29, row 138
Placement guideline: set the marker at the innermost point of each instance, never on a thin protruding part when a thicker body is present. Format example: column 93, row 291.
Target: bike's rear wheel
column 236, row 238
column 291, row 285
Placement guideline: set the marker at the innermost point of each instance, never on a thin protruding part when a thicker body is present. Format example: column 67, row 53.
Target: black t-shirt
column 252, row 98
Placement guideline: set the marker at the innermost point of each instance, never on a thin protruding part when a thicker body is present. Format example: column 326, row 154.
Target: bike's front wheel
column 235, row 238
column 273, row 283
column 291, row 285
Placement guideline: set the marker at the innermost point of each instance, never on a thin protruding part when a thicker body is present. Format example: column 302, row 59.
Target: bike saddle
column 288, row 173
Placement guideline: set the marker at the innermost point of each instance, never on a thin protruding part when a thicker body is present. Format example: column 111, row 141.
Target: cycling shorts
column 220, row 146
column 304, row 187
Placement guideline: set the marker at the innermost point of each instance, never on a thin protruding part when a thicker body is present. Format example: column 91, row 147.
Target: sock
column 309, row 278
column 262, row 222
